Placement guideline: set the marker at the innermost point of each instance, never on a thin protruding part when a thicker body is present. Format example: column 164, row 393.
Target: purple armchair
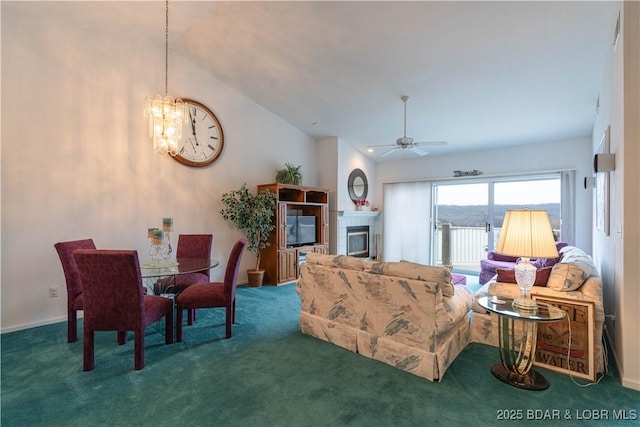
column 74, row 286
column 495, row 261
column 114, row 301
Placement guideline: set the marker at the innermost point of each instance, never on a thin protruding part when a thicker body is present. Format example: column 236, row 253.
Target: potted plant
column 289, row 174
column 252, row 214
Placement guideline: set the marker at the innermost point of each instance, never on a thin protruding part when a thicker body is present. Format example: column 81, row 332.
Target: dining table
column 170, row 269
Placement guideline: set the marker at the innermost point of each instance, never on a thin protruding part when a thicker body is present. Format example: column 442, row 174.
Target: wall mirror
column 358, row 185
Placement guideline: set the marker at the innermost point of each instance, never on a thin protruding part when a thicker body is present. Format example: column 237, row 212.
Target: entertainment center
column 302, row 227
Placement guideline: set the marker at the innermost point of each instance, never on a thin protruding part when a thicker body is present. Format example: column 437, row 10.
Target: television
column 292, row 230
column 301, row 230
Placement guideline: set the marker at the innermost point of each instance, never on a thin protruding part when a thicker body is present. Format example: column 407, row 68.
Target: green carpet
column 269, row 374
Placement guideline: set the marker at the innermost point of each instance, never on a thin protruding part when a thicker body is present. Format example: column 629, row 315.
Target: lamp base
column 525, row 304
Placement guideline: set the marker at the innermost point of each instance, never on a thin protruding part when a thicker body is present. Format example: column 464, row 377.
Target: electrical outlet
column 53, row 291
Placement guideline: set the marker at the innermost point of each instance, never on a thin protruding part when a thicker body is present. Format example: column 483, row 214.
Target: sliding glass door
column 542, row 193
column 468, row 215
column 461, row 215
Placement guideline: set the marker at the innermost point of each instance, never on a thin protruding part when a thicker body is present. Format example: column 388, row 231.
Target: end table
column 518, row 352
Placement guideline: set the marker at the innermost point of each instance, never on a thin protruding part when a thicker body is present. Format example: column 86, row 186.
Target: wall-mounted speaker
column 604, row 162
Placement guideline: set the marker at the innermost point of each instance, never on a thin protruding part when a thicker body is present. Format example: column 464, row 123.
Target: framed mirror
column 358, row 185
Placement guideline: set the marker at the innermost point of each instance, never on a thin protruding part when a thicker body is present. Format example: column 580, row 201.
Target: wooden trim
column 568, row 346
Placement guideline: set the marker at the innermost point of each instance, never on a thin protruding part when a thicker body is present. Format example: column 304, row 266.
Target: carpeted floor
column 269, row 374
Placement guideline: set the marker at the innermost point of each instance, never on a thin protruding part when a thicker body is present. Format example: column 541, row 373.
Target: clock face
column 202, row 137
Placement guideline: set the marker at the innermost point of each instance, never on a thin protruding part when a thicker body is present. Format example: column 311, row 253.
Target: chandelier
column 166, row 114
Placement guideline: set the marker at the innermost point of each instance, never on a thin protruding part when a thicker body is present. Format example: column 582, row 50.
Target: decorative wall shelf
column 359, row 213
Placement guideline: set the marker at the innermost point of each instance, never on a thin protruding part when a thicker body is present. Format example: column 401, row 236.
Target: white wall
column 77, row 161
column 349, row 158
column 550, row 156
column 618, row 255
column 336, row 159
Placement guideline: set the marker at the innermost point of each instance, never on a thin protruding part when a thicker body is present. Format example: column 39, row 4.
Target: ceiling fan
column 405, row 143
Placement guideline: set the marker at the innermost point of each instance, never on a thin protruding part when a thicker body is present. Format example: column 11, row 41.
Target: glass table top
column 176, row 267
column 504, row 306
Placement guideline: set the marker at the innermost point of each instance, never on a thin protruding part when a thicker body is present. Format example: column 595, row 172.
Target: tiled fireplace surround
column 354, row 219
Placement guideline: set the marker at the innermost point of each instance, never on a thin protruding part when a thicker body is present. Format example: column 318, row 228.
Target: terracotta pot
column 255, row 278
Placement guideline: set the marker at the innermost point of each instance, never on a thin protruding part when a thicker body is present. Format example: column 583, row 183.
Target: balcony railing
column 464, row 247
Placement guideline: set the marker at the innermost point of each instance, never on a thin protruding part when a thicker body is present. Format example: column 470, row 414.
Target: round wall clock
column 203, row 138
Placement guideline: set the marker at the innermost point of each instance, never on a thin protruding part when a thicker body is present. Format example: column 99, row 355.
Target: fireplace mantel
column 359, row 213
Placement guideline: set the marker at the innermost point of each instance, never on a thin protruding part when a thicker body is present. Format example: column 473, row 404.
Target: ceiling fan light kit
column 406, row 143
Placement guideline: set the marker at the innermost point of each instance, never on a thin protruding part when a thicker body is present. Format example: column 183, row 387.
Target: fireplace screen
column 358, row 241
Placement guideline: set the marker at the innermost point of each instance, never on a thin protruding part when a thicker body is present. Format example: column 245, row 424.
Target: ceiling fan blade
column 432, row 143
column 419, row 151
column 384, row 145
column 389, row 152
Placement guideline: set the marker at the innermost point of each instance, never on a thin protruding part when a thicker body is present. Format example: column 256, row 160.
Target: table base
column 531, row 381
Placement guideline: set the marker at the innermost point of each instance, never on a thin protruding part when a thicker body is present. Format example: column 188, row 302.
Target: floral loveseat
column 574, row 277
column 407, row 315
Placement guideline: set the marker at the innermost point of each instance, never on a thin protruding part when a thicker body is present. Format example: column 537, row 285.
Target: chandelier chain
column 166, row 49
column 166, row 114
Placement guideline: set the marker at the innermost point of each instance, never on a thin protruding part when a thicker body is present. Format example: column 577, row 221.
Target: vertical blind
column 406, row 222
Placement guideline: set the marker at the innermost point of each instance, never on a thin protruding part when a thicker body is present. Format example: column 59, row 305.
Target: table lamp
column 526, row 234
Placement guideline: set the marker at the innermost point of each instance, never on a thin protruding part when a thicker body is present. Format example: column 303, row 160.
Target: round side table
column 518, row 352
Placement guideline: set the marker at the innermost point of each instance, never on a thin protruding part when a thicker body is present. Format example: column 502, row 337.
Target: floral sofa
column 574, row 277
column 407, row 315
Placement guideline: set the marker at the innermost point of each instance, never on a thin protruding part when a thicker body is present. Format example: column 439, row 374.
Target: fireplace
column 358, row 241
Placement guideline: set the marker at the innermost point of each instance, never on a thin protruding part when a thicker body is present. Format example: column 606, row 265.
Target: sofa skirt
column 419, row 362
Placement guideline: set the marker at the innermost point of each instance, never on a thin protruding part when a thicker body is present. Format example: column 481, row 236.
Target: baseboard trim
column 625, row 382
column 24, row 326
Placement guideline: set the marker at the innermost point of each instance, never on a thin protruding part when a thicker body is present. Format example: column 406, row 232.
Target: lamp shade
column 528, row 234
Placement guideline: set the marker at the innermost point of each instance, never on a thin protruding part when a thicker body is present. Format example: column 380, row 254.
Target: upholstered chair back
column 113, row 292
column 233, row 266
column 72, row 277
column 195, row 246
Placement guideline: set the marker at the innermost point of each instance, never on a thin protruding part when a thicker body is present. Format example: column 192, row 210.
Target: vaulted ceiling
column 479, row 74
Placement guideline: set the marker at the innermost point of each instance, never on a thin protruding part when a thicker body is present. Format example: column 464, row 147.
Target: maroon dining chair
column 114, row 300
column 215, row 294
column 74, row 286
column 189, row 246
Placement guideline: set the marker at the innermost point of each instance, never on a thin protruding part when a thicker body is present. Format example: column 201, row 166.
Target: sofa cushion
column 572, row 271
column 411, row 270
column 341, row 261
column 509, row 276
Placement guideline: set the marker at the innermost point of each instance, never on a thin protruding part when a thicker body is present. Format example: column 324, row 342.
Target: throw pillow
column 509, row 276
column 568, row 276
column 506, row 275
column 572, row 271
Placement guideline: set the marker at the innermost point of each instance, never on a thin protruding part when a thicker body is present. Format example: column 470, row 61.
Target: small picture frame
column 567, row 346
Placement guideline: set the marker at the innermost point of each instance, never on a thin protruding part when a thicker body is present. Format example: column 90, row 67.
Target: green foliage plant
column 253, row 215
column 289, row 174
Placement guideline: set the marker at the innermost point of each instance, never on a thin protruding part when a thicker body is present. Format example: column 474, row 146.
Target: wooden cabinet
column 287, row 265
column 282, row 259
